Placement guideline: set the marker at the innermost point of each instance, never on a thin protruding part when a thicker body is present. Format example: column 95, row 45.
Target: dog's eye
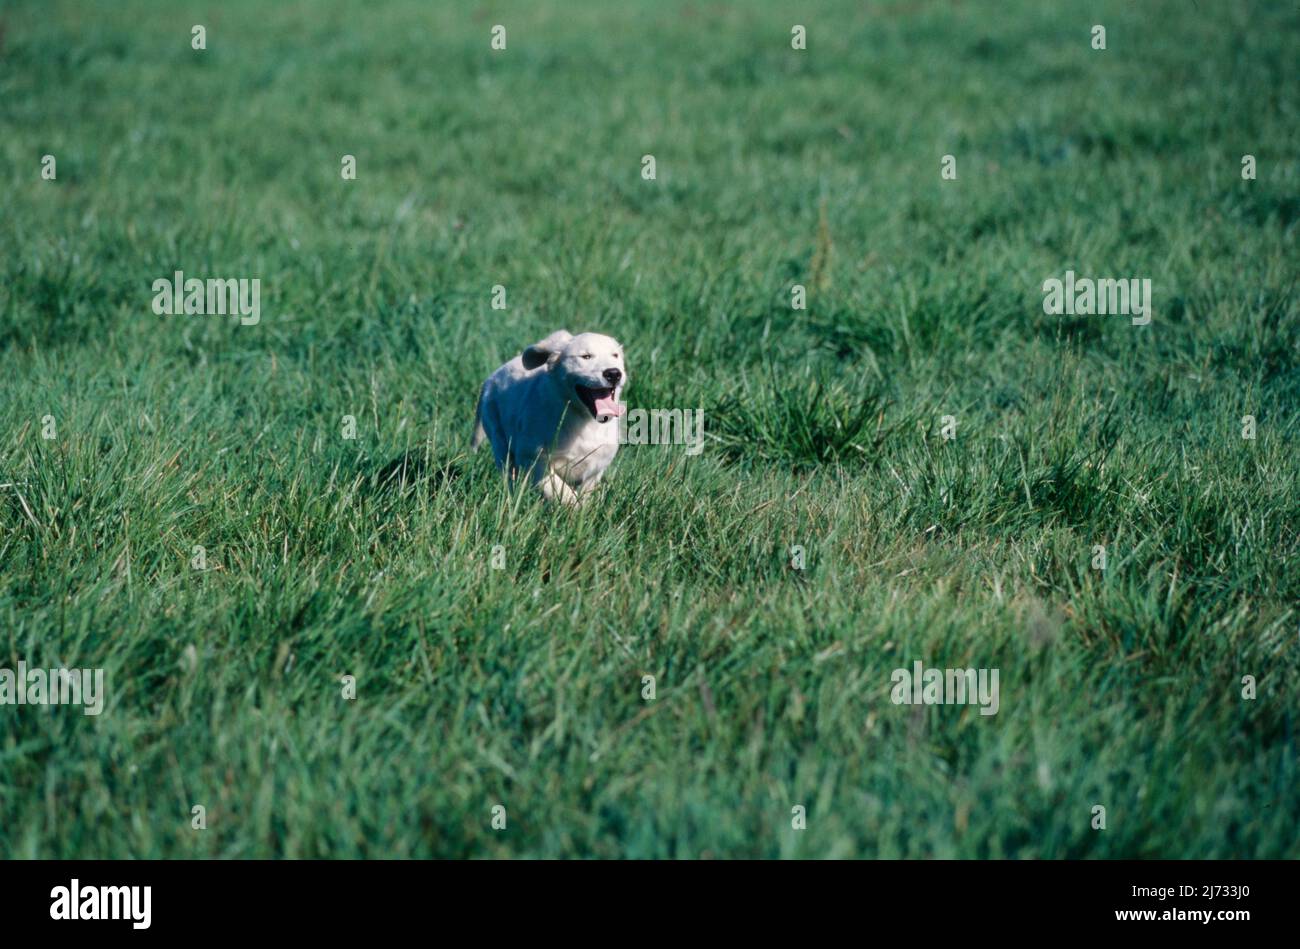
column 586, row 355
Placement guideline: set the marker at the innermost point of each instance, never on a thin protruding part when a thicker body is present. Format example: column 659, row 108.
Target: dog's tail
column 479, row 434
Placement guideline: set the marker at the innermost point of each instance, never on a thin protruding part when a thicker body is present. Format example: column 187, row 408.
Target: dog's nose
column 612, row 376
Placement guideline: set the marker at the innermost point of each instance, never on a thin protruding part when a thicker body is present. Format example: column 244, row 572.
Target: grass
column 522, row 686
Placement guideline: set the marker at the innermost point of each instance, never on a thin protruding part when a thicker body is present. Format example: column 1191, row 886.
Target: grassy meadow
column 518, row 681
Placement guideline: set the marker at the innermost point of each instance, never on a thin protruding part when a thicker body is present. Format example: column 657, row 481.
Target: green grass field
column 521, row 685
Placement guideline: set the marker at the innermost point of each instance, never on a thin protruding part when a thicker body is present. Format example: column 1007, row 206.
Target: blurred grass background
column 522, row 686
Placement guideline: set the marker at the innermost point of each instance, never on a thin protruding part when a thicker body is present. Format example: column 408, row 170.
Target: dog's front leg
column 554, row 488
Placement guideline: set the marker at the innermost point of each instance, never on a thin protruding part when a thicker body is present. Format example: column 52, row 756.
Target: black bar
column 938, row 899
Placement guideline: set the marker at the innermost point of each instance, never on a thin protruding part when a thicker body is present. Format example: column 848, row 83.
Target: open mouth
column 599, row 402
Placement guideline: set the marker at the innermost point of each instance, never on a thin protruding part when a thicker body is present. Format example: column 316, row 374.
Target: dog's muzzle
column 600, row 402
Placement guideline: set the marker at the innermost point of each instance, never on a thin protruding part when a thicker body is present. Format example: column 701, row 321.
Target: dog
column 551, row 413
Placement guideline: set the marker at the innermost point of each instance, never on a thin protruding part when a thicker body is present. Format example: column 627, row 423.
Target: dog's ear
column 548, row 350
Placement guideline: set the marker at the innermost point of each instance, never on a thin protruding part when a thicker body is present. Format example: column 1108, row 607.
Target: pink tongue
column 608, row 406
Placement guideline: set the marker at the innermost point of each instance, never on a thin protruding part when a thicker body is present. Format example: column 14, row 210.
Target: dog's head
column 588, row 369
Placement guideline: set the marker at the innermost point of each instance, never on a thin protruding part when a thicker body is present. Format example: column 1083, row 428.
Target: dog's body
column 551, row 413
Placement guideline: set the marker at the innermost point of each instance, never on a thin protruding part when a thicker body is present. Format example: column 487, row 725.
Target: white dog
column 550, row 412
